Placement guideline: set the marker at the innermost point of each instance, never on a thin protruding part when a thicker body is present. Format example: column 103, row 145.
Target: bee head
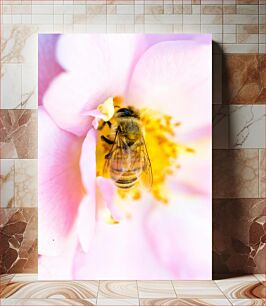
column 127, row 112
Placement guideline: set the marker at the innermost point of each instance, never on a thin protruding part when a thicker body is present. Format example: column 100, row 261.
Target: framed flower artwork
column 124, row 164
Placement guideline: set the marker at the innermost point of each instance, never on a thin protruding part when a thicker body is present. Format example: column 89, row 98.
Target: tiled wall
column 238, row 28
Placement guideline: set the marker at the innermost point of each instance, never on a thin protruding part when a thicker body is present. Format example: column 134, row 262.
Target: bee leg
column 103, row 123
column 109, row 123
column 108, row 156
column 107, row 140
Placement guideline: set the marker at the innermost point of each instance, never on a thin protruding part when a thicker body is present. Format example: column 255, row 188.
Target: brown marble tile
column 243, row 79
column 242, row 290
column 48, row 302
column 262, row 170
column 4, row 281
column 248, row 302
column 235, row 173
column 51, row 289
column 18, row 129
column 239, row 236
column 184, row 302
column 18, row 235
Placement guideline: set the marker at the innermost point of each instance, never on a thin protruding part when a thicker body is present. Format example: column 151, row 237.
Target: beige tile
column 7, row 179
column 47, row 302
column 118, row 289
column 156, row 289
column 197, row 289
column 248, row 302
column 118, row 302
column 240, row 19
column 51, row 290
column 247, row 9
column 247, row 29
column 262, row 169
column 260, row 277
column 183, row 302
column 211, row 9
column 240, row 48
column 25, row 277
column 247, row 38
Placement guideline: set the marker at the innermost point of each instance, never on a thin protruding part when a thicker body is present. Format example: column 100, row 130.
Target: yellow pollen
column 159, row 133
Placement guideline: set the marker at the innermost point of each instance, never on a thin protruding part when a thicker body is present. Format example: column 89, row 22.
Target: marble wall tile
column 10, row 85
column 262, row 170
column 243, row 79
column 48, row 302
column 18, row 233
column 239, row 243
column 19, row 44
column 235, row 173
column 26, row 183
column 247, row 126
column 156, row 289
column 7, row 183
column 220, row 127
column 18, row 129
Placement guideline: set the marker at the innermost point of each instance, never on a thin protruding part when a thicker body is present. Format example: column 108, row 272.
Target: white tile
column 125, row 9
column 191, row 19
column 7, row 19
column 211, row 19
column 158, row 28
column 163, row 19
column 42, row 9
column 7, row 189
column 11, row 85
column 139, row 9
column 195, row 9
column 16, row 19
column 247, row 126
column 42, row 19
column 240, row 48
column 156, row 289
column 191, row 28
column 29, row 86
column 26, row 19
column 58, row 19
column 229, row 38
column 240, row 19
column 120, row 19
column 229, row 28
column 211, row 28
column 59, row 9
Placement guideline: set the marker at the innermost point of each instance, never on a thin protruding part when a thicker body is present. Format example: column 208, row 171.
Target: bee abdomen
column 124, row 181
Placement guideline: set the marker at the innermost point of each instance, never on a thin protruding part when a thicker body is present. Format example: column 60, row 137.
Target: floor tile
column 248, row 302
column 260, row 277
column 183, row 302
column 25, row 277
column 197, row 289
column 156, row 289
column 116, row 302
column 47, row 302
column 238, row 279
column 243, row 290
column 52, row 289
column 118, row 289
column 4, row 280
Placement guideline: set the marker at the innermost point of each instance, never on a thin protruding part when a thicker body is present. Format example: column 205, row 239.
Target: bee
column 127, row 162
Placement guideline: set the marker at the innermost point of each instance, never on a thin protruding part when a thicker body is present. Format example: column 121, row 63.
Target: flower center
column 163, row 150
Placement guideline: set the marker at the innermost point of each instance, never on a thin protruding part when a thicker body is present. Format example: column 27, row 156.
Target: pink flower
column 152, row 241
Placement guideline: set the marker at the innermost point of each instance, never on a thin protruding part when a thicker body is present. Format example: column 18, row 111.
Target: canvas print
column 124, row 156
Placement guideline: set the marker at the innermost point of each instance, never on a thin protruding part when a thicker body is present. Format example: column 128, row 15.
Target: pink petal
column 121, row 251
column 48, row 68
column 99, row 67
column 86, row 221
column 171, row 232
column 87, row 209
column 175, row 77
column 108, row 193
column 65, row 99
column 88, row 162
column 59, row 186
column 59, row 267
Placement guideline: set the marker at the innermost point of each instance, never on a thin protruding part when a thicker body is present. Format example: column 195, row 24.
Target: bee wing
column 119, row 158
column 146, row 177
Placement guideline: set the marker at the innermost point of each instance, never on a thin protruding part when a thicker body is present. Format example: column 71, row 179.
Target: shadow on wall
column 239, row 238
